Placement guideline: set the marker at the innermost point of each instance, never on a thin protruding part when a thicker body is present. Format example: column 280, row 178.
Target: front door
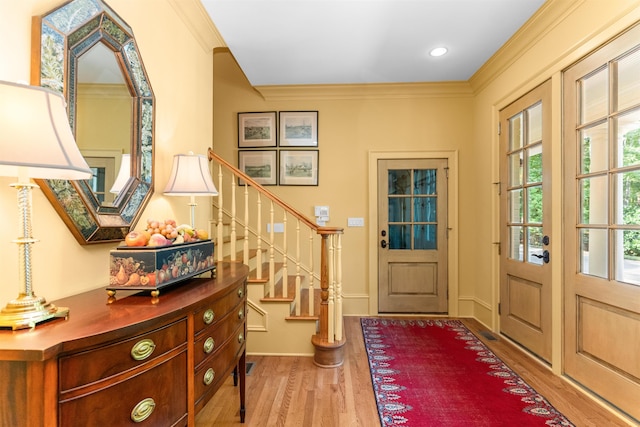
column 525, row 218
column 602, row 216
column 412, row 236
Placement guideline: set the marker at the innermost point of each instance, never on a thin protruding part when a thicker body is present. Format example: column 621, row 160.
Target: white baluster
column 272, row 264
column 339, row 323
column 245, row 248
column 220, row 227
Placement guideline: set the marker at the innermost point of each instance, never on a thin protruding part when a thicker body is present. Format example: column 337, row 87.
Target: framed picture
column 298, row 128
column 298, row 167
column 259, row 165
column 257, row 130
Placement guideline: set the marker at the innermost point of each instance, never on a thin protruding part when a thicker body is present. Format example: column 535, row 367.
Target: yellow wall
column 353, row 121
column 356, row 122
column 178, row 60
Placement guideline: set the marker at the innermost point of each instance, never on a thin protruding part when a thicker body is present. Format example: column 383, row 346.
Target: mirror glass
column 102, row 92
column 88, row 53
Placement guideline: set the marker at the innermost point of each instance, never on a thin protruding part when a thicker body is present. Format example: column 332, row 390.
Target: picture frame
column 259, row 165
column 298, row 128
column 299, row 167
column 257, row 130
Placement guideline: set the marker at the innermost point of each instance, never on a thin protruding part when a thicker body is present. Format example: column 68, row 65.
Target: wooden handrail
column 328, row 340
column 320, row 230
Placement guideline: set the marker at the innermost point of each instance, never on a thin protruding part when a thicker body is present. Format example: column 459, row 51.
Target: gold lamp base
column 28, row 310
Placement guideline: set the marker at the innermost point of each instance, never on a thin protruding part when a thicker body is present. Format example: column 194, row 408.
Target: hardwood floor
column 292, row 391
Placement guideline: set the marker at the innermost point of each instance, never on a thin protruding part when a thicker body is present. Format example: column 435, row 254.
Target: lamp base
column 27, row 310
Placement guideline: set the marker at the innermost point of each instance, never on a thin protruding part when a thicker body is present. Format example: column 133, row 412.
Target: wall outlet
column 355, row 222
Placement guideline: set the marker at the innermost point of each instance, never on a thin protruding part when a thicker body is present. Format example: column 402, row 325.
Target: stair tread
column 240, row 255
column 291, row 291
column 265, row 273
column 304, row 304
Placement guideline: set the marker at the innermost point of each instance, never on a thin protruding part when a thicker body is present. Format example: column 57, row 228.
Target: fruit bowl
column 152, row 268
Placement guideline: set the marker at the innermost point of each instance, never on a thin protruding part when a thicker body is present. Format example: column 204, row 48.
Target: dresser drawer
column 211, row 373
column 156, row 397
column 212, row 312
column 211, row 338
column 103, row 362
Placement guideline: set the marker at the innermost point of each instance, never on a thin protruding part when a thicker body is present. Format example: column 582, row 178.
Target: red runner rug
column 437, row 373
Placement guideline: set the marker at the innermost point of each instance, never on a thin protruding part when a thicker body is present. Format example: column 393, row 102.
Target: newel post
column 329, row 353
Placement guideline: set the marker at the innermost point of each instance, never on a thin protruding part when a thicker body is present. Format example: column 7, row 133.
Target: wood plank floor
column 292, row 391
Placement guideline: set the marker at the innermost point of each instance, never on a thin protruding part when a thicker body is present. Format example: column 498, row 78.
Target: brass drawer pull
column 143, row 410
column 143, row 349
column 208, row 316
column 208, row 345
column 240, row 338
column 209, row 376
column 240, row 293
column 241, row 314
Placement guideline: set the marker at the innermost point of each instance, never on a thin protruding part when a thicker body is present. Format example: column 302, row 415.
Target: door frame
column 452, row 219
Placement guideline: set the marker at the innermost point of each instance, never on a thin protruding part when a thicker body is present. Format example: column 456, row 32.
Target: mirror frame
column 60, row 37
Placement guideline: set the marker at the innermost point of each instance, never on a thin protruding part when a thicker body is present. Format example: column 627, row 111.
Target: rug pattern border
column 389, row 395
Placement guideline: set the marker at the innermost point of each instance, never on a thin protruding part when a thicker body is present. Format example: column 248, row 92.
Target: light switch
column 355, row 222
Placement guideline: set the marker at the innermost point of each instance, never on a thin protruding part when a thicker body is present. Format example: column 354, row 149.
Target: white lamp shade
column 123, row 174
column 35, row 136
column 190, row 176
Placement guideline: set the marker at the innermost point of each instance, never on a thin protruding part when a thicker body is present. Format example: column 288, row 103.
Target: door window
column 608, row 131
column 413, row 203
column 525, row 186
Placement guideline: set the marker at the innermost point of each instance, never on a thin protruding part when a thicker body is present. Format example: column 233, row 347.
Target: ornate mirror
column 87, row 52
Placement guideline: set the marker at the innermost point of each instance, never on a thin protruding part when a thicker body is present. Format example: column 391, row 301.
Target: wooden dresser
column 132, row 361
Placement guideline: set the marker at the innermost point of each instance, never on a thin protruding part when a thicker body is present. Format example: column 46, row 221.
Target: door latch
column 544, row 256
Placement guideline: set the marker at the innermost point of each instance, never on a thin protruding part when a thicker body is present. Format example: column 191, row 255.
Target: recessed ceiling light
column 438, row 51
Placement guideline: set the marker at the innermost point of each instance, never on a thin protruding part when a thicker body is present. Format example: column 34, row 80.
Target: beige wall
column 178, row 61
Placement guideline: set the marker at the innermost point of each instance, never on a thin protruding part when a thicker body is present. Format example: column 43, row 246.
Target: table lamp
column 190, row 176
column 36, row 141
column 123, row 174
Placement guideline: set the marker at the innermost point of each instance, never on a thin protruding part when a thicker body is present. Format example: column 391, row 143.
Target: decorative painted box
column 152, row 268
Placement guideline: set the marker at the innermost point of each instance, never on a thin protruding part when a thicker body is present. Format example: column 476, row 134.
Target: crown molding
column 538, row 26
column 197, row 20
column 365, row 91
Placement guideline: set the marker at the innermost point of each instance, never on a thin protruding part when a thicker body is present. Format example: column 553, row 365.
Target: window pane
column 515, row 206
column 627, row 204
column 594, row 150
column 594, row 251
column 399, row 209
column 594, row 200
column 534, row 116
column 516, row 243
column 628, row 137
column 400, row 181
column 534, row 204
column 425, row 236
column 515, row 169
column 628, row 265
column 628, row 88
column 534, row 239
column 595, row 96
column 515, row 132
column 424, row 209
column 424, row 181
column 534, row 164
column 399, row 237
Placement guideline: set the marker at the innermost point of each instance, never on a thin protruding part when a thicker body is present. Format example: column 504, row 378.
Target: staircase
column 294, row 292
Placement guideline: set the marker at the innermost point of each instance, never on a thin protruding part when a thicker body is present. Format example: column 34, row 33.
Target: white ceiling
column 284, row 42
